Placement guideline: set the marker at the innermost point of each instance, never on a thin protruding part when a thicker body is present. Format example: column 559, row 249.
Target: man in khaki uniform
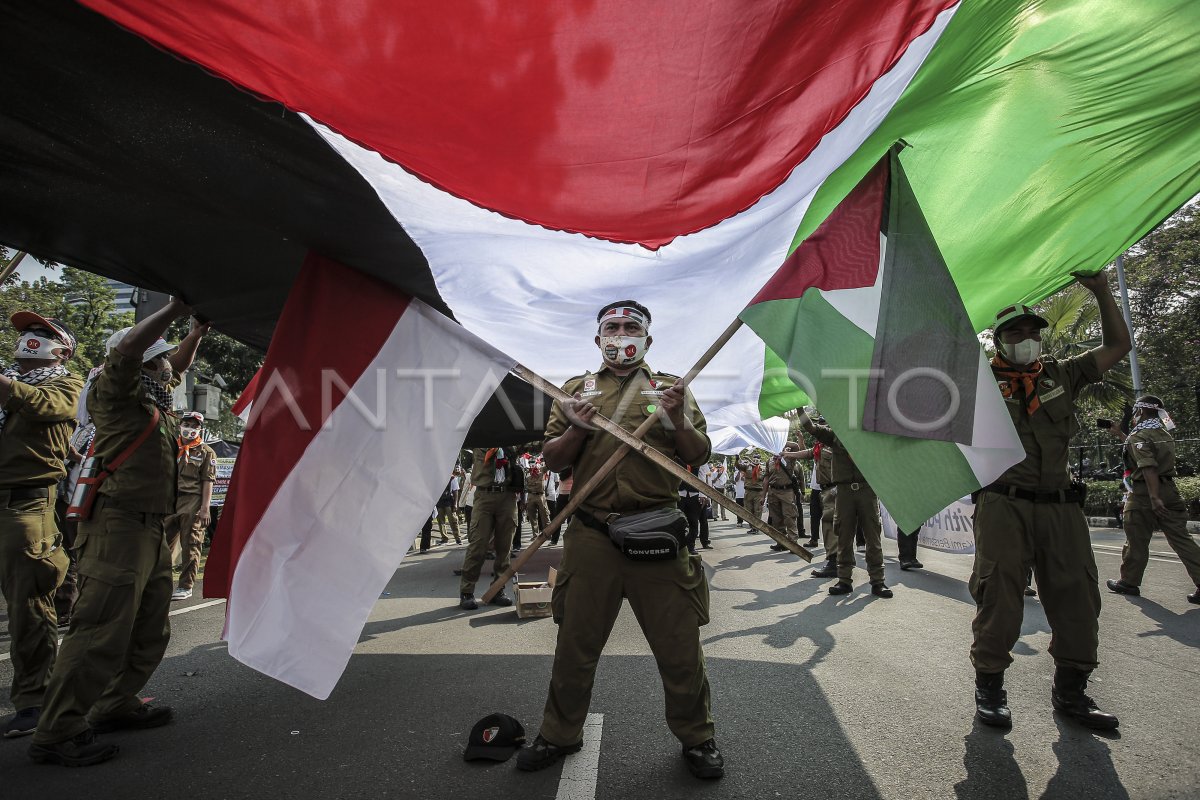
column 535, row 496
column 822, row 455
column 755, row 474
column 854, row 504
column 493, row 522
column 1154, row 501
column 669, row 597
column 1032, row 516
column 197, row 471
column 37, row 413
column 782, row 477
column 119, row 629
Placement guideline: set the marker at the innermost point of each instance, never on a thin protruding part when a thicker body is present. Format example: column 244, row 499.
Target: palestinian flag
column 516, row 168
column 870, row 324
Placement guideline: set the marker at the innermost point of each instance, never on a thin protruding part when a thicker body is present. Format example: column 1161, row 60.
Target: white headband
column 625, row 312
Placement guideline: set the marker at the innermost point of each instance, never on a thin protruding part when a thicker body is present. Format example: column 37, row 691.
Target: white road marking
column 1166, row 558
column 197, row 607
column 580, row 771
column 7, row 656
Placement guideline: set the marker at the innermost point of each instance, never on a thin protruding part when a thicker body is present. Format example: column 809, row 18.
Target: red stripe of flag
column 335, row 319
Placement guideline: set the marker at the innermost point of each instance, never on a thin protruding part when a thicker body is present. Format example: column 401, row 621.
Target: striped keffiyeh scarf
column 34, row 377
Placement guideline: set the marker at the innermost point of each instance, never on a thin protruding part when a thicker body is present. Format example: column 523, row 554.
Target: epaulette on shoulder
column 665, row 375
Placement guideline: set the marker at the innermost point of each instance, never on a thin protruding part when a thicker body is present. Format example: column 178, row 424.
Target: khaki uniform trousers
column 1140, row 521
column 448, row 514
column 754, row 504
column 33, row 564
column 119, row 629
column 782, row 511
column 184, row 527
column 851, row 508
column 493, row 523
column 1012, row 535
column 669, row 600
column 828, row 532
column 535, row 509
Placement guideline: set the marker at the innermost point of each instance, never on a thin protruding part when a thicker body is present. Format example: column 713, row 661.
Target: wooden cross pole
column 633, row 442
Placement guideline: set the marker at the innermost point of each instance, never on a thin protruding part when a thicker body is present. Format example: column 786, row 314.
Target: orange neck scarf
column 1019, row 378
column 186, row 447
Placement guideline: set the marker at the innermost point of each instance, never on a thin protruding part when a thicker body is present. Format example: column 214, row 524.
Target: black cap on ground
column 495, row 738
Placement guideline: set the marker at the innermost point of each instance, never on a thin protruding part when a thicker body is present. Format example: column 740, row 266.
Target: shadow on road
column 992, row 769
column 1181, row 628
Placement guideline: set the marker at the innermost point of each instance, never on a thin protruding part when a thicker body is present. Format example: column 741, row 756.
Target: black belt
column 492, row 489
column 779, row 488
column 590, row 521
column 1035, row 495
column 1168, row 478
column 26, row 492
column 854, row 485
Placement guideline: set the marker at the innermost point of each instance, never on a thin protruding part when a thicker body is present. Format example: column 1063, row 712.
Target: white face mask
column 1022, row 353
column 623, row 351
column 30, row 345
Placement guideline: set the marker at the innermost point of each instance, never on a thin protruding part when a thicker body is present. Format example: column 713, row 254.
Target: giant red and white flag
column 361, row 408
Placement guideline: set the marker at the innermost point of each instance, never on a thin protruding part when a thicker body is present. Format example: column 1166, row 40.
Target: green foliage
column 1104, row 495
column 79, row 298
column 1163, row 271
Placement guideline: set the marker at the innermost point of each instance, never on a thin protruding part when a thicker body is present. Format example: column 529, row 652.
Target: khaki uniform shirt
column 199, row 468
column 1150, row 447
column 637, row 484
column 1046, row 433
column 484, row 475
column 777, row 475
column 121, row 411
column 535, row 484
column 36, row 438
column 842, row 468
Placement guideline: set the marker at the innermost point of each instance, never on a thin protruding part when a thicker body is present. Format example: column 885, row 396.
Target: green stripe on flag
column 1047, row 136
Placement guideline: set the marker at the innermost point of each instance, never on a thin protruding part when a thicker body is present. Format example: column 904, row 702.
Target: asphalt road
column 848, row 697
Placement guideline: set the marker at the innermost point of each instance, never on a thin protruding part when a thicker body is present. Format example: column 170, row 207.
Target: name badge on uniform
column 652, row 392
column 1053, row 394
column 596, row 393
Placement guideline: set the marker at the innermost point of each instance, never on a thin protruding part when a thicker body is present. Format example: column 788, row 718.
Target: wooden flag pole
column 633, row 441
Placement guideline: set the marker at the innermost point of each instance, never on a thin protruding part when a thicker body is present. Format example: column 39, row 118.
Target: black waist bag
column 649, row 535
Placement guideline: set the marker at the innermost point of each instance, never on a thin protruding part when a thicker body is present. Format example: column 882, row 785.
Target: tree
column 1163, row 271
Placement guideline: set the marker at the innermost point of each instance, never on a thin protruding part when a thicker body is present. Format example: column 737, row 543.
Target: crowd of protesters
column 100, row 479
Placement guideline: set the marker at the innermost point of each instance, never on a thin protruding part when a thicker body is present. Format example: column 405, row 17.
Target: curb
column 1193, row 526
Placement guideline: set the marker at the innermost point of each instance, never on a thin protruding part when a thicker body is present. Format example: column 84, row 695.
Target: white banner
column 951, row 531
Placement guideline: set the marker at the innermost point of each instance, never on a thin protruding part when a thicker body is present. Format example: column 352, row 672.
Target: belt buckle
column 854, row 487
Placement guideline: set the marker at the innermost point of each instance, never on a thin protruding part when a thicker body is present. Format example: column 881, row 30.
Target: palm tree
column 1074, row 321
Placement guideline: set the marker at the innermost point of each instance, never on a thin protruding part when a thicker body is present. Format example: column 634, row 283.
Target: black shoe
column 424, row 550
column 991, row 701
column 705, row 760
column 501, row 599
column 778, row 547
column 706, row 545
column 1194, row 597
column 827, row 571
column 145, row 716
column 1030, row 591
column 81, row 751
column 812, row 543
column 542, row 754
column 1121, row 587
column 23, row 723
column 692, row 551
column 841, row 587
column 489, row 556
column 1069, row 696
column 467, row 602
column 881, row 590
column 910, row 563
